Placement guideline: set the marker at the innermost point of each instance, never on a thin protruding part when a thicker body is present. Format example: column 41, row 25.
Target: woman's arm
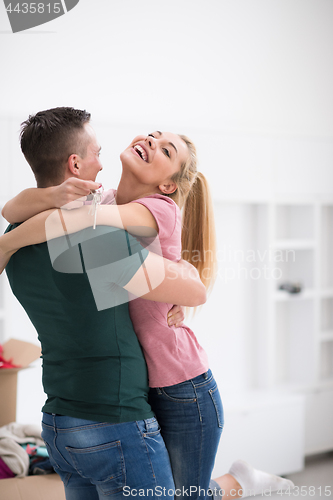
column 50, row 224
column 172, row 282
column 32, row 201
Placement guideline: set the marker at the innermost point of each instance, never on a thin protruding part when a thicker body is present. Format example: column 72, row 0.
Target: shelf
column 294, row 244
column 326, row 265
column 326, row 360
column 326, row 314
column 295, row 266
column 326, row 293
column 294, row 342
column 307, row 388
column 295, row 222
column 326, row 382
column 283, row 296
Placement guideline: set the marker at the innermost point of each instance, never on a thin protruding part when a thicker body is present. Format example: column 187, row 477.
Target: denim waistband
column 64, row 422
column 200, row 379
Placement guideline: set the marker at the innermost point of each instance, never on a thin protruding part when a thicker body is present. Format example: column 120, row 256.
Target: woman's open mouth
column 141, row 152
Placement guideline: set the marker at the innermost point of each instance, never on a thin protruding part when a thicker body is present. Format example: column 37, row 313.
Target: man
column 98, row 427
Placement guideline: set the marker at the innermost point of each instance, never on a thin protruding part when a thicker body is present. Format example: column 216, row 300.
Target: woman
column 159, row 178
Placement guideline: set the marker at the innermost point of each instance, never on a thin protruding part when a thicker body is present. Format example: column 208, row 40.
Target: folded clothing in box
column 12, row 436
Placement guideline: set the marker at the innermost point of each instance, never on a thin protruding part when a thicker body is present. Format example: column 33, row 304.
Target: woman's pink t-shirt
column 172, row 354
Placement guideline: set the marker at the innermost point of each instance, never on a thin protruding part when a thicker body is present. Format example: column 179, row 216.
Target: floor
column 317, row 475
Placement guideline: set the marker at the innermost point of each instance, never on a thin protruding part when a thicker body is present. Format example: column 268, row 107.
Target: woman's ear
column 168, row 188
column 73, row 164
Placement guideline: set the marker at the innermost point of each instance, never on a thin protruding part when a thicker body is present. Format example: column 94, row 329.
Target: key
column 96, row 201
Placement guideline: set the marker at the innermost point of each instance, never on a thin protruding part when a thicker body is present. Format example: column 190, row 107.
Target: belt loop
column 205, row 375
column 149, row 424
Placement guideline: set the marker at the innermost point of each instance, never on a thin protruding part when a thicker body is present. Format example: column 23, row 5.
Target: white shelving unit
column 297, row 333
column 289, row 337
column 325, row 336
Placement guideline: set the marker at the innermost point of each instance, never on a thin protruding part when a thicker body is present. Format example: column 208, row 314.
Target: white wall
column 250, row 81
column 258, row 65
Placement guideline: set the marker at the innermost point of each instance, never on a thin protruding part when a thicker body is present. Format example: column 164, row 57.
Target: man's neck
column 50, row 184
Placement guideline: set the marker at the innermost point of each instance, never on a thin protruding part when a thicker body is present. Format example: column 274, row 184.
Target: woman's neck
column 129, row 190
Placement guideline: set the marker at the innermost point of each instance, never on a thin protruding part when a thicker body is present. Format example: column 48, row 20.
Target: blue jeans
column 191, row 418
column 97, row 460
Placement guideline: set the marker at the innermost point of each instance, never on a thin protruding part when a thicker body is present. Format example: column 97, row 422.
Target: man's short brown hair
column 49, row 138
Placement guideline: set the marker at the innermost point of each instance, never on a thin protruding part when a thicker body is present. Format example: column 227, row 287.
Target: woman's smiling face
column 155, row 158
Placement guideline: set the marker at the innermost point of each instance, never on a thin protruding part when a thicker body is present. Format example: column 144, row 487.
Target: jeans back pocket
column 104, row 465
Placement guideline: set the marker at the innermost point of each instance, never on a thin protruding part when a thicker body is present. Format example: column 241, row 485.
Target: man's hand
column 176, row 316
column 72, row 193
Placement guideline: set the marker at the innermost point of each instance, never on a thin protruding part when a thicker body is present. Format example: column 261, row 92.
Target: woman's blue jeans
column 191, row 418
column 97, row 460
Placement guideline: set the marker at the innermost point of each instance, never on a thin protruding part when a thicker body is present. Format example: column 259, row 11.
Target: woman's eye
column 166, row 151
column 151, row 135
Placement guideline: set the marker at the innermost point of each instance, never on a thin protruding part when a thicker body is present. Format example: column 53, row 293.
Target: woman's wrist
column 7, row 245
column 51, row 198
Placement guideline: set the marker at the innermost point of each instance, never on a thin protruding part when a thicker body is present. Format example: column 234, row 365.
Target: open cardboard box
column 49, row 487
column 22, row 354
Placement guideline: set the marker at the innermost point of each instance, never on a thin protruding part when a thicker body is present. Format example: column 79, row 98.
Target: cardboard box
column 48, row 487
column 22, row 354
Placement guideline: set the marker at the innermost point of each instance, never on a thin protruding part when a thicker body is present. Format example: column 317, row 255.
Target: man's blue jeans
column 191, row 418
column 97, row 460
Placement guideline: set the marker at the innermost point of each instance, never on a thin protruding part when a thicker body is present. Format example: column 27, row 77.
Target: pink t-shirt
column 173, row 355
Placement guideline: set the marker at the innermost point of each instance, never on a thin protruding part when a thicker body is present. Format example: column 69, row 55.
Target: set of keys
column 96, row 201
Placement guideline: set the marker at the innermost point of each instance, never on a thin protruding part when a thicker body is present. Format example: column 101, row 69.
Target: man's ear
column 73, row 165
column 168, row 188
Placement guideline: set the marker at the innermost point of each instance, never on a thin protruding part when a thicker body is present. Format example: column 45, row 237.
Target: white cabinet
column 325, row 335
column 265, row 429
column 318, row 420
column 302, row 331
column 270, row 343
column 297, row 333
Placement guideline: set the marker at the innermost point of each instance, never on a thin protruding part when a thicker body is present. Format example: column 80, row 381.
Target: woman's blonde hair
column 198, row 228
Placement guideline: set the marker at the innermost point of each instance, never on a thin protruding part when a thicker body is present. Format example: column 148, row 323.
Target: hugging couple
column 132, row 405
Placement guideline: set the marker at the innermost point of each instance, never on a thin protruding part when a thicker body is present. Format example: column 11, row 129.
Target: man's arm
column 32, row 201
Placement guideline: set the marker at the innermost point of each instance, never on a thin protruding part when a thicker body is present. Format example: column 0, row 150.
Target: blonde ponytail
column 198, row 227
column 198, row 231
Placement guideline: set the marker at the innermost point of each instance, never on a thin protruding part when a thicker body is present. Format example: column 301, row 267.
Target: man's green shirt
column 93, row 366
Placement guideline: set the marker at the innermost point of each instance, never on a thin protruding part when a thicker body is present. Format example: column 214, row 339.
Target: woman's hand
column 32, row 201
column 72, row 193
column 176, row 316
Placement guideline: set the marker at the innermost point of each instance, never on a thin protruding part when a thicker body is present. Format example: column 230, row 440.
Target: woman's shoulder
column 160, row 204
column 156, row 198
column 165, row 211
